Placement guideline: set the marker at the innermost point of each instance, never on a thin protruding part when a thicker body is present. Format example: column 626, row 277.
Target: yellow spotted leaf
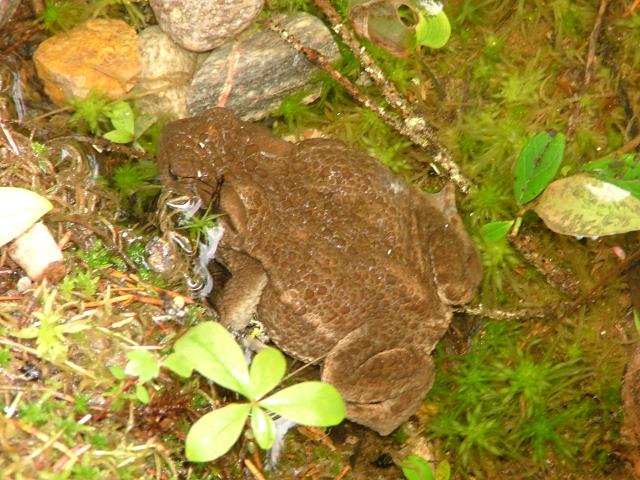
column 584, row 206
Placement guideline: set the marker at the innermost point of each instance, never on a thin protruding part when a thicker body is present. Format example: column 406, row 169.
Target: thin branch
column 415, row 128
column 591, row 58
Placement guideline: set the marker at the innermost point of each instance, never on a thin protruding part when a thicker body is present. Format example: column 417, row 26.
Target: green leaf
column 215, row 433
column 267, row 369
column 141, row 394
column 415, row 467
column 178, row 364
column 214, row 353
column 119, row 136
column 142, row 364
column 537, row 164
column 143, row 123
column 19, row 209
column 117, row 372
column 263, row 428
column 622, row 171
column 433, row 30
column 636, row 320
column 584, row 206
column 121, row 115
column 494, row 231
column 443, row 472
column 316, row 404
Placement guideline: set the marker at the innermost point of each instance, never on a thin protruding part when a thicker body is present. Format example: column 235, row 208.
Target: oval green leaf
column 142, row 364
column 118, row 136
column 215, row 433
column 121, row 115
column 494, row 231
column 414, row 467
column 263, row 428
column 433, row 30
column 141, row 394
column 178, row 364
column 443, row 472
column 316, row 404
column 584, row 206
column 19, row 209
column 622, row 171
column 267, row 369
column 214, row 353
column 537, row 164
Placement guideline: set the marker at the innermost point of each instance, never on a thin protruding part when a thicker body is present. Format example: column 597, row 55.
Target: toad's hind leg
column 381, row 385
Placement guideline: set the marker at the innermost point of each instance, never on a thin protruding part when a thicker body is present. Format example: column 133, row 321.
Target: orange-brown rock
column 100, row 54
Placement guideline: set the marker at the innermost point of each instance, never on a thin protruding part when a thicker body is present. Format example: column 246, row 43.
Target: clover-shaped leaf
column 414, row 467
column 142, row 364
column 179, row 364
column 267, row 369
column 213, row 352
column 494, row 231
column 263, row 428
column 215, row 433
column 433, row 30
column 316, row 404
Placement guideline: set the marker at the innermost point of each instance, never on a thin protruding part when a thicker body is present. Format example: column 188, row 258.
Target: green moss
column 60, row 16
column 81, row 281
column 490, row 201
column 509, row 398
column 295, row 112
column 90, row 114
column 520, row 87
column 99, row 258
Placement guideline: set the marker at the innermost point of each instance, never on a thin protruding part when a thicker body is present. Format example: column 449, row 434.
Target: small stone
column 252, row 75
column 201, row 25
column 7, row 9
column 100, row 54
column 23, row 284
column 167, row 69
column 160, row 256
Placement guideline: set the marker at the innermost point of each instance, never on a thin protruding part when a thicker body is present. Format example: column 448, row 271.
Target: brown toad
column 340, row 259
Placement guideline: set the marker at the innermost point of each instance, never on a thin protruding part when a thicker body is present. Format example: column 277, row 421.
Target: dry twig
column 591, row 57
column 254, row 470
column 410, row 124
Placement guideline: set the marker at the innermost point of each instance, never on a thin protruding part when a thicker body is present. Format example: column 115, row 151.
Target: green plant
column 209, row 349
column 133, row 177
column 142, row 364
column 99, row 258
column 81, row 281
column 505, row 400
column 197, row 225
column 90, row 113
column 52, row 328
column 5, row 356
column 602, row 199
column 415, row 467
column 61, row 15
column 97, row 114
column 295, row 112
column 103, row 7
column 127, row 126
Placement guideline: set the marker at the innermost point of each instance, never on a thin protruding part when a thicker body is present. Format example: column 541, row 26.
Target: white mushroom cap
column 19, row 209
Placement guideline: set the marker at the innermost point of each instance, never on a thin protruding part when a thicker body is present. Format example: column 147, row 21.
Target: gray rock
column 200, row 25
column 167, row 69
column 258, row 70
column 7, row 8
